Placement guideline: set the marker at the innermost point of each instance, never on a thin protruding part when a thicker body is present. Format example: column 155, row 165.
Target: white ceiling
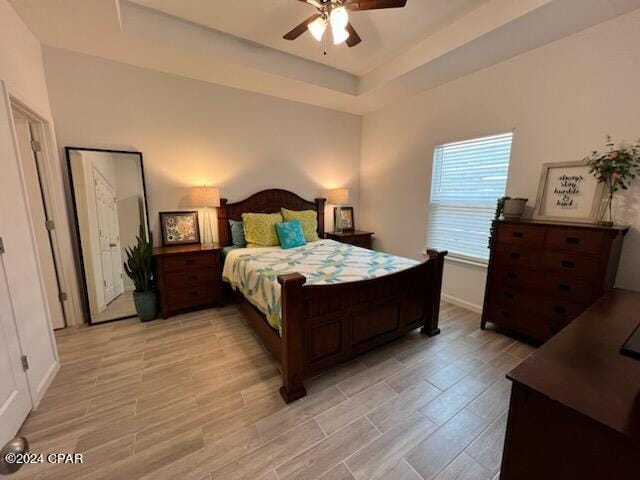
column 385, row 33
column 238, row 43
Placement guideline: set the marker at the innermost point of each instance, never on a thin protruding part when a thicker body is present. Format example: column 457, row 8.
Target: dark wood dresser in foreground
column 187, row 277
column 575, row 403
column 358, row 238
column 542, row 275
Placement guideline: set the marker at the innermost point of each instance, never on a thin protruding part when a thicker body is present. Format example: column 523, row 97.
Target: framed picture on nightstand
column 179, row 228
column 343, row 219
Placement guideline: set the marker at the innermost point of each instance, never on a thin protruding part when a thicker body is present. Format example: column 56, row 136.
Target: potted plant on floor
column 615, row 168
column 139, row 268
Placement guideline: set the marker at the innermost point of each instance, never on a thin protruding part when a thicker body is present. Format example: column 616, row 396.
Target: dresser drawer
column 517, row 257
column 559, row 311
column 191, row 278
column 517, row 277
column 578, row 265
column 525, row 235
column 510, row 296
column 568, row 288
column 192, row 296
column 179, row 263
column 574, row 240
column 521, row 320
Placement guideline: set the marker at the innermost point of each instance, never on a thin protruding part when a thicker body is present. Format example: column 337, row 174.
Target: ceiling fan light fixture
column 339, row 35
column 317, row 28
column 339, row 18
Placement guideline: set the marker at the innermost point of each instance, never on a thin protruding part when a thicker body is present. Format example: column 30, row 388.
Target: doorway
column 29, row 133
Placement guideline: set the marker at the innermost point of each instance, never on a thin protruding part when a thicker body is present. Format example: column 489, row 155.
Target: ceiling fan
column 335, row 13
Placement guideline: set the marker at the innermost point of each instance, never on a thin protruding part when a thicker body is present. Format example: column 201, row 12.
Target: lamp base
column 207, row 232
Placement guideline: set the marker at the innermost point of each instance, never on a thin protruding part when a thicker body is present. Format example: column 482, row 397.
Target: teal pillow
column 290, row 234
column 237, row 233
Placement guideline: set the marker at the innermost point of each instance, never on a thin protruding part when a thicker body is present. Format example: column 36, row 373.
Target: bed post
column 320, row 211
column 432, row 302
column 223, row 225
column 292, row 352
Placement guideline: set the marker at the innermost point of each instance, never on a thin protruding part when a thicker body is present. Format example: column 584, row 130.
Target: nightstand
column 358, row 238
column 187, row 277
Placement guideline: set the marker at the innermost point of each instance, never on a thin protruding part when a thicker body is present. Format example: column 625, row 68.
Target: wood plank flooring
column 195, row 397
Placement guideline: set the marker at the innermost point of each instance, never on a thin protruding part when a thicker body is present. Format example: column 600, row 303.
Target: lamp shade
column 338, row 196
column 205, row 196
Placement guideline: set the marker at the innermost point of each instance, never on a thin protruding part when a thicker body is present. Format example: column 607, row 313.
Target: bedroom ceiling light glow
column 339, row 35
column 317, row 28
column 339, row 18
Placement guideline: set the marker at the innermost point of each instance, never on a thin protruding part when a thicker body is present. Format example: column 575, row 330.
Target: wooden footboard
column 323, row 325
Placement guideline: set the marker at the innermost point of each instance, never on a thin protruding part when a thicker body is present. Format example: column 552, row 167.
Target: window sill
column 452, row 257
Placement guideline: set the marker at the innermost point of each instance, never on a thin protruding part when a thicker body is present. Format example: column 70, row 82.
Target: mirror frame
column 83, row 274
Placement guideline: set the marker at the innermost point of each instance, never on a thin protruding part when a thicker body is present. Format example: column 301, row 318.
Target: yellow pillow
column 308, row 220
column 260, row 229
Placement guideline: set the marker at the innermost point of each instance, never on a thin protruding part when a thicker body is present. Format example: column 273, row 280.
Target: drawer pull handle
column 509, row 295
column 512, row 275
column 515, row 255
column 189, row 262
column 573, row 240
column 560, row 310
column 564, row 287
column 193, row 293
column 518, row 234
column 568, row 264
column 505, row 313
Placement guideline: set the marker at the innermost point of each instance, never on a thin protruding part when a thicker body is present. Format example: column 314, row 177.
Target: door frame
column 85, row 294
column 42, row 132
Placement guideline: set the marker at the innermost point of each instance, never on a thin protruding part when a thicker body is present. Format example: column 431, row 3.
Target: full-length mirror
column 110, row 209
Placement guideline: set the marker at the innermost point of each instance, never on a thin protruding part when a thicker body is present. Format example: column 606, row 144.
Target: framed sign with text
column 568, row 192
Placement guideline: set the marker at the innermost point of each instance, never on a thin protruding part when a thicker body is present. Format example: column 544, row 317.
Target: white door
column 114, row 245
column 104, row 203
column 24, row 282
column 38, row 214
column 15, row 402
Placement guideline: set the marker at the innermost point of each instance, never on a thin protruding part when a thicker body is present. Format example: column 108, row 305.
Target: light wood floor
column 122, row 306
column 195, row 397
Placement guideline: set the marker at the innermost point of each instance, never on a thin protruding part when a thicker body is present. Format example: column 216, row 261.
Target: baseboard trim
column 462, row 303
column 37, row 396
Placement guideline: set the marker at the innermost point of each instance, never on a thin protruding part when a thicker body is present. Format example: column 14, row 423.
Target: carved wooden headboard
column 266, row 201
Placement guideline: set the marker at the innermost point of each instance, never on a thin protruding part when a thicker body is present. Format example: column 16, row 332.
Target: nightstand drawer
column 179, row 263
column 191, row 278
column 192, row 296
column 363, row 242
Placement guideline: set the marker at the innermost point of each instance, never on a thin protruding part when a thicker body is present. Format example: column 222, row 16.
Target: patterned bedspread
column 254, row 271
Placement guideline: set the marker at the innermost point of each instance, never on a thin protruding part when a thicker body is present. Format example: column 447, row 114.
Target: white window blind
column 468, row 178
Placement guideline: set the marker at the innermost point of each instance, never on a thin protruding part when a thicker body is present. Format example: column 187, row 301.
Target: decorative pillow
column 308, row 220
column 260, row 229
column 290, row 234
column 237, row 233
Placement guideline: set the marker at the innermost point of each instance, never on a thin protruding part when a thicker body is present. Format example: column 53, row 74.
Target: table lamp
column 338, row 197
column 205, row 197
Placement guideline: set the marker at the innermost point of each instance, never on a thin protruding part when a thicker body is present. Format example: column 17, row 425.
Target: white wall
column 21, row 70
column 561, row 99
column 195, row 133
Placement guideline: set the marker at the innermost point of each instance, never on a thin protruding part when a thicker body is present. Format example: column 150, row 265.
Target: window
column 468, row 178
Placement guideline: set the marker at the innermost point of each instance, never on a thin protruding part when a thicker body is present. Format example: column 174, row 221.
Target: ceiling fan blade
column 300, row 29
column 354, row 39
column 359, row 5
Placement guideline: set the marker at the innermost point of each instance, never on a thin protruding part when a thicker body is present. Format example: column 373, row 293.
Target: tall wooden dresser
column 542, row 275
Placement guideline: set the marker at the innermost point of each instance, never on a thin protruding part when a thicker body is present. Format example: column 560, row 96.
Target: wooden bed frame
column 324, row 325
